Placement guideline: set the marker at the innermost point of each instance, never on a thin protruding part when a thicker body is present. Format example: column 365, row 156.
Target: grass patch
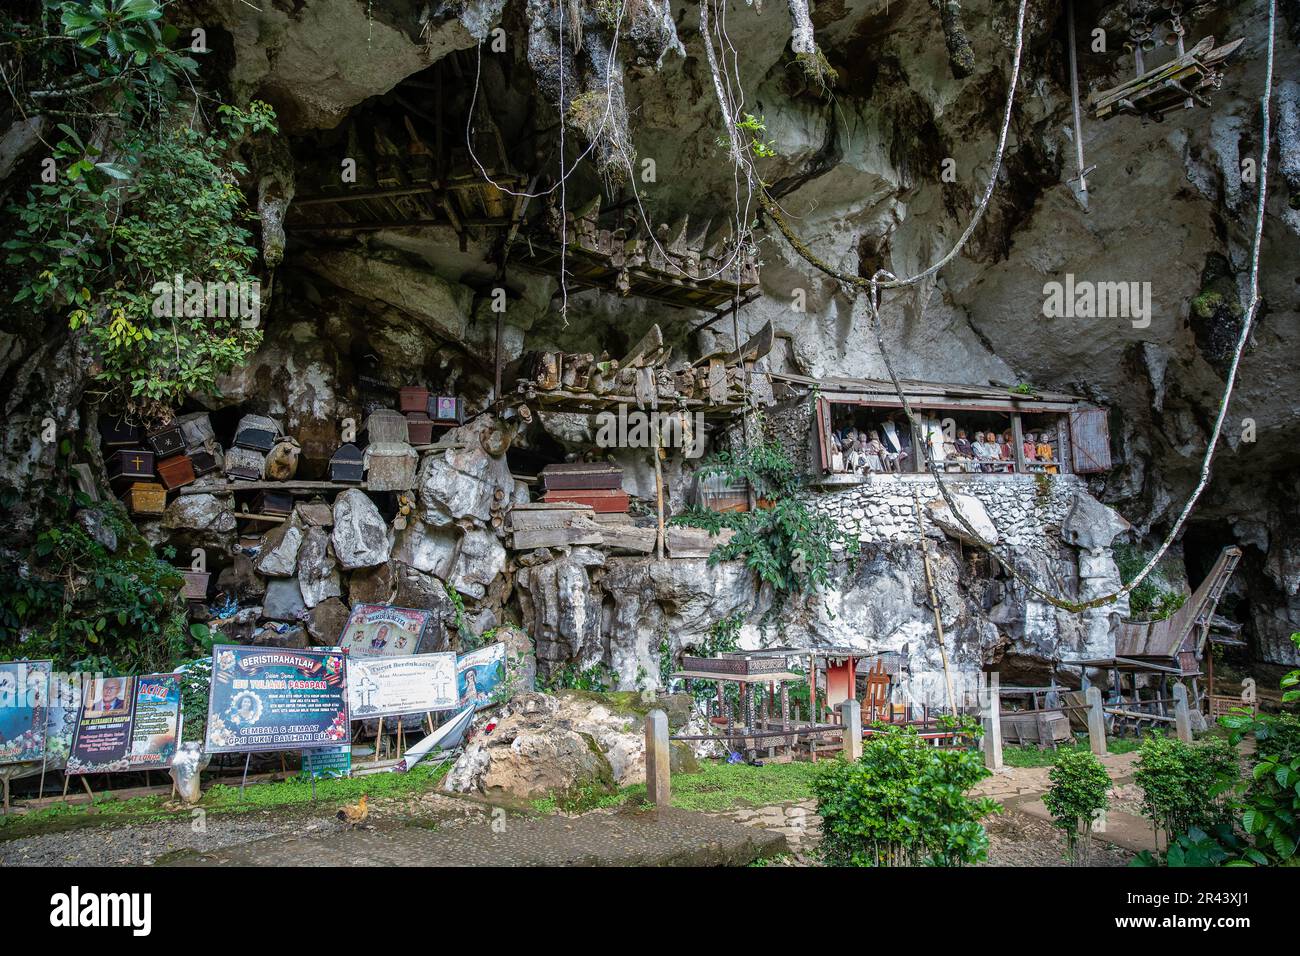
column 279, row 795
column 1031, row 756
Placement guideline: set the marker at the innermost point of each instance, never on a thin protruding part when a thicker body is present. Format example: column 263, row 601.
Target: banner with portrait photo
column 382, row 630
column 479, row 673
column 387, row 687
column 156, row 724
column 270, row 699
column 103, row 733
column 24, row 710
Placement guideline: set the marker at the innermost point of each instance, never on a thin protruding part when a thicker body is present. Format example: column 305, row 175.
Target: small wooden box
column 206, row 462
column 167, row 441
column 147, row 498
column 176, row 472
column 130, row 464
column 413, row 398
column 347, row 465
column 419, row 428
column 196, row 429
column 196, row 585
column 384, row 426
column 245, row 463
column 273, row 503
column 447, row 408
column 115, row 433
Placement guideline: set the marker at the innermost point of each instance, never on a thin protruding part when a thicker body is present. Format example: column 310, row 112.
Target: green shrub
column 1183, row 785
column 1080, row 791
column 903, row 803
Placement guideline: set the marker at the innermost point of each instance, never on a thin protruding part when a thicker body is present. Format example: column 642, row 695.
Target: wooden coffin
column 206, row 462
column 146, row 498
column 385, row 426
column 273, row 503
column 413, row 398
column 684, row 542
column 196, row 585
column 602, row 501
column 390, row 466
column 582, row 476
column 115, row 433
column 1043, row 727
column 130, row 464
column 245, row 464
column 347, row 465
column 419, row 428
column 544, row 525
column 446, row 408
column 177, row 471
column 196, row 430
column 167, row 441
column 719, row 493
column 256, row 433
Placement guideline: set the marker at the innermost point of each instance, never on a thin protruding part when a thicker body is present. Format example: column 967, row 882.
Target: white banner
column 388, row 686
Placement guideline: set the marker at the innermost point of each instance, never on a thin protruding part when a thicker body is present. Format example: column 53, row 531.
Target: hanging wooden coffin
column 245, row 463
column 196, row 429
column 419, row 429
column 256, row 432
column 413, row 398
column 447, row 408
column 115, row 433
column 385, row 426
column 390, row 466
column 130, row 464
column 602, row 501
column 347, row 465
column 196, row 585
column 273, row 503
column 177, row 471
column 167, row 441
column 147, row 498
column 582, row 475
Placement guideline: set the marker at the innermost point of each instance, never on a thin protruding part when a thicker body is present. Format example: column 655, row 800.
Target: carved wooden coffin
column 385, row 426
column 390, row 466
column 347, row 464
column 196, row 585
column 600, row 500
column 413, row 398
column 130, row 464
column 147, row 498
column 196, row 430
column 245, row 464
column 256, row 432
column 176, row 471
column 167, row 441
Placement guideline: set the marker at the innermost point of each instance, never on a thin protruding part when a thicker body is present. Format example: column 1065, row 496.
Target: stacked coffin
column 598, row 485
column 255, row 435
column 389, row 460
column 174, row 466
column 205, row 455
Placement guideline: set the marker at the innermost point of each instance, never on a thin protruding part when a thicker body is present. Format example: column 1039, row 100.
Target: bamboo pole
column 933, row 595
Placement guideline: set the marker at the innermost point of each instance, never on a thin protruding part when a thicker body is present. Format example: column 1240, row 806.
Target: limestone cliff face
column 881, row 173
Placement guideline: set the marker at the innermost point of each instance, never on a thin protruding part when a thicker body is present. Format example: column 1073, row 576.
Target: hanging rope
column 874, row 284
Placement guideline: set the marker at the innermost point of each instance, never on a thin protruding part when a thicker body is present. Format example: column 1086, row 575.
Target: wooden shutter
column 1090, row 440
column 822, row 425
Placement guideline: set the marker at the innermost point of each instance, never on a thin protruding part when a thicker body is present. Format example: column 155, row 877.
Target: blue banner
column 268, row 699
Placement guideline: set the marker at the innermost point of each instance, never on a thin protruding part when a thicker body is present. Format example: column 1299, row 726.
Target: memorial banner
column 268, row 699
column 103, row 733
column 24, row 710
column 479, row 673
column 326, row 762
column 387, row 687
column 156, row 724
column 381, row 630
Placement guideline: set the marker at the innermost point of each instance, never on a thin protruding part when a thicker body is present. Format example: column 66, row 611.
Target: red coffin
column 603, row 502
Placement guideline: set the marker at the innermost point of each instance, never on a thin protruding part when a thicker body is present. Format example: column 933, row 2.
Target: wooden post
column 659, row 496
column 933, row 598
column 812, row 689
column 379, row 738
column 1018, row 443
column 1096, row 722
column 658, row 772
column 851, row 720
column 1182, row 715
column 992, row 718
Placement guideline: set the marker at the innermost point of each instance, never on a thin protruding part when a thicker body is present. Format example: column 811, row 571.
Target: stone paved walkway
column 620, row 838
